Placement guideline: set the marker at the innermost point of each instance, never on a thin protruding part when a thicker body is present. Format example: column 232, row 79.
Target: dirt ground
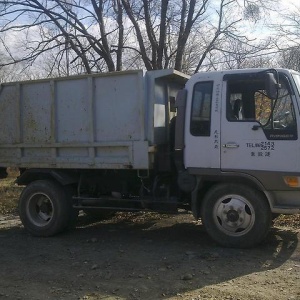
column 142, row 256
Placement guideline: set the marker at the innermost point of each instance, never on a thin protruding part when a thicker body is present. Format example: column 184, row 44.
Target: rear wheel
column 45, row 208
column 236, row 215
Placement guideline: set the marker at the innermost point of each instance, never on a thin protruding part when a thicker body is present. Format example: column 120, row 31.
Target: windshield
column 296, row 77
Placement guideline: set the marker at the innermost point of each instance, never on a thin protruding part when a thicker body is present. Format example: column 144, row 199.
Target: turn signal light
column 292, row 181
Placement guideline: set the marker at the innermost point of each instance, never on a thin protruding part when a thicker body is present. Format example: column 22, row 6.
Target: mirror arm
column 256, row 127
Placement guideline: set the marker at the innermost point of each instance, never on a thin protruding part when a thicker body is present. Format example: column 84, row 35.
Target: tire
column 45, row 208
column 236, row 216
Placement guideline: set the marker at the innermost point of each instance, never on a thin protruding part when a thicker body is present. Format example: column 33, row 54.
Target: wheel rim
column 40, row 209
column 234, row 215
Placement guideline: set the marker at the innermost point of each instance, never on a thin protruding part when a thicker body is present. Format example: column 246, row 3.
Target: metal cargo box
column 94, row 121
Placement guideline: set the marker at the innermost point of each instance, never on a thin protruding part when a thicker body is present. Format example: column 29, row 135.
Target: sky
column 253, row 30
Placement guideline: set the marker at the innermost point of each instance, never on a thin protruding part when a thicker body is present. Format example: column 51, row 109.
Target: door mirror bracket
column 256, row 127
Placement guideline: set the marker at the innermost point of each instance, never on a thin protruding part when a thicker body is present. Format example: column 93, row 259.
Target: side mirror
column 271, row 85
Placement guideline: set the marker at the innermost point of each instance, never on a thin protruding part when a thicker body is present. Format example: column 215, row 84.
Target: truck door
column 202, row 127
column 258, row 133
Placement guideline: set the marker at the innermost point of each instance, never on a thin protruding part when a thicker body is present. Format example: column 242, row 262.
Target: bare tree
column 75, row 36
column 288, row 38
column 236, row 54
column 10, row 72
column 290, row 58
column 184, row 34
column 75, row 29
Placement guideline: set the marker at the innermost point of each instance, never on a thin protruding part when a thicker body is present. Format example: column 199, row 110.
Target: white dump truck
column 223, row 145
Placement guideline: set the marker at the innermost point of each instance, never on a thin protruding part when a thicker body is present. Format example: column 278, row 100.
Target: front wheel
column 236, row 215
column 45, row 208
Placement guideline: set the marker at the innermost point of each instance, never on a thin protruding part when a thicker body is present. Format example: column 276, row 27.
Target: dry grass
column 9, row 193
column 288, row 221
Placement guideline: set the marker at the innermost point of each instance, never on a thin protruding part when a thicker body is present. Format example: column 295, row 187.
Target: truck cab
column 241, row 139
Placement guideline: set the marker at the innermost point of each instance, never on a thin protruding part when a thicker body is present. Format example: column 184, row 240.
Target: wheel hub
column 40, row 209
column 232, row 216
column 44, row 208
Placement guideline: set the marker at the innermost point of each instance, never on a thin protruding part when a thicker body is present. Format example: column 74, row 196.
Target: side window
column 201, row 108
column 283, row 116
column 248, row 101
column 236, row 107
column 263, row 107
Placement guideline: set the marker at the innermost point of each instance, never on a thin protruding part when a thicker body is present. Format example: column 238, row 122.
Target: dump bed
column 111, row 120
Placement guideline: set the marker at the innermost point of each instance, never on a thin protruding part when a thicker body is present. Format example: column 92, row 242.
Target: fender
column 64, row 177
column 208, row 177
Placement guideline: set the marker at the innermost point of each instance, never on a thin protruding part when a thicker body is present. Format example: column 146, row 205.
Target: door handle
column 231, row 145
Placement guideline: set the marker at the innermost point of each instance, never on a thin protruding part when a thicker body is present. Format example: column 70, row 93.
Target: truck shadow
column 131, row 259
